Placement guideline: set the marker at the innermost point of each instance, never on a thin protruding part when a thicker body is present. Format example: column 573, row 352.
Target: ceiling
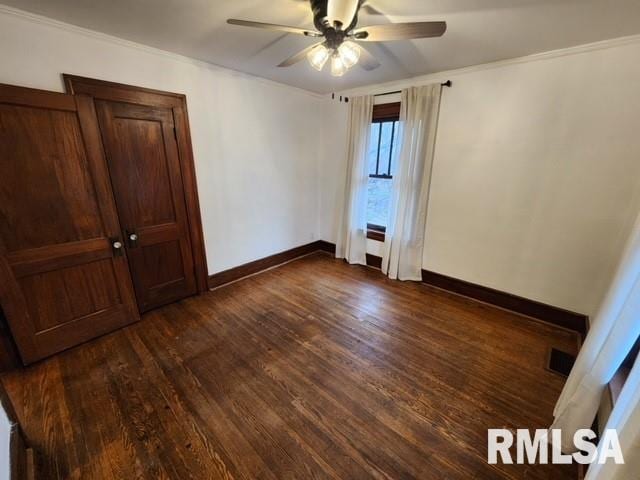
column 479, row 31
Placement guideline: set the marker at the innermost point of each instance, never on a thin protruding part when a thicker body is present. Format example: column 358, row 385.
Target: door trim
column 118, row 92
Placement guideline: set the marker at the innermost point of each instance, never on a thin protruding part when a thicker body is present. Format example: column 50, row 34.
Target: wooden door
column 63, row 268
column 142, row 154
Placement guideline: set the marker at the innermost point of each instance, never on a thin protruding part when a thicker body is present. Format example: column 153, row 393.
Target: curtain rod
column 448, row 83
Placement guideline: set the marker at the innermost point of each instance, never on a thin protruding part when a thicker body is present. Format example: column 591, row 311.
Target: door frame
column 118, row 92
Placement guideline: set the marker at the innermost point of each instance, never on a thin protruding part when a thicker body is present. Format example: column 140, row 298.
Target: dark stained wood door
column 63, row 278
column 144, row 164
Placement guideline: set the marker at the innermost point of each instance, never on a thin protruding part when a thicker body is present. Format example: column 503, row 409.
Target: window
column 382, row 147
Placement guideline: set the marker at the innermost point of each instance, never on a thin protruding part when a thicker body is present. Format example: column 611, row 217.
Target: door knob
column 132, row 239
column 116, row 244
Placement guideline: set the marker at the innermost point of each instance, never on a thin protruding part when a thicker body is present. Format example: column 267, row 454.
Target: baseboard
column 531, row 308
column 251, row 268
column 327, row 246
column 524, row 306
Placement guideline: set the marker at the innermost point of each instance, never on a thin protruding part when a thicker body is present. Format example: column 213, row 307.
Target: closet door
column 144, row 164
column 63, row 268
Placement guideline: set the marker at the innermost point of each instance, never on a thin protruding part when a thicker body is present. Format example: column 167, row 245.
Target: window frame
column 620, row 377
column 386, row 112
column 633, row 355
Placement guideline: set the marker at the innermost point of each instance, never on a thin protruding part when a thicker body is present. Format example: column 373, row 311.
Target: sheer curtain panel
column 404, row 238
column 352, row 239
column 613, row 333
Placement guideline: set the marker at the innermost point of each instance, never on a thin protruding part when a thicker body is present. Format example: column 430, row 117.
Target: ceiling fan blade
column 367, row 61
column 273, row 26
column 400, row 31
column 298, row 56
column 342, row 11
column 370, row 9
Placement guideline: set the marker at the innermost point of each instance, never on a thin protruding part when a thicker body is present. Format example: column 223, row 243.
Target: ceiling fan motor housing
column 340, row 9
column 334, row 38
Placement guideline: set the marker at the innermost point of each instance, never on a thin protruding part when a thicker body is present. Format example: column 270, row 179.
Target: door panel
column 51, row 173
column 70, row 293
column 62, row 283
column 145, row 173
column 139, row 157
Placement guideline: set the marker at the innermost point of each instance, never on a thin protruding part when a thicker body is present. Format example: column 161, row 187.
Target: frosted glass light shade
column 338, row 68
column 318, row 57
column 350, row 53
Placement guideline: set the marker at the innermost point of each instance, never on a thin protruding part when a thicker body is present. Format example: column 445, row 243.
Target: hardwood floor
column 315, row 369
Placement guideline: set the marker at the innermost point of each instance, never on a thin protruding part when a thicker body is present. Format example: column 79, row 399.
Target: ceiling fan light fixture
column 318, row 57
column 338, row 67
column 336, row 21
column 350, row 53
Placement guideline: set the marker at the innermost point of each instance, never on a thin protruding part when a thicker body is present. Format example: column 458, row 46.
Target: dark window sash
column 378, row 150
column 633, row 355
column 376, row 228
column 393, row 134
column 376, row 232
column 375, row 235
column 385, row 120
column 390, row 154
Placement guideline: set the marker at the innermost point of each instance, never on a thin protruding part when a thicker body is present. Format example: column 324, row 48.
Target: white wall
column 536, row 178
column 332, row 168
column 255, row 142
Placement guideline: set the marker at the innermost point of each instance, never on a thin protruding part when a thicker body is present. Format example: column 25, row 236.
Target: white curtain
column 352, row 238
column 613, row 333
column 404, row 237
column 625, row 419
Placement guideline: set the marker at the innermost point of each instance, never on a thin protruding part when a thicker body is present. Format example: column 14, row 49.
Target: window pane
column 385, row 147
column 379, row 194
column 373, row 148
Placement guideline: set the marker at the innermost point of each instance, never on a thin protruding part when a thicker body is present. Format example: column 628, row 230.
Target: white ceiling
column 479, row 31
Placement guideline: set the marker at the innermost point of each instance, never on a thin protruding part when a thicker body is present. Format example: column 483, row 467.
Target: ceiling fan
column 335, row 22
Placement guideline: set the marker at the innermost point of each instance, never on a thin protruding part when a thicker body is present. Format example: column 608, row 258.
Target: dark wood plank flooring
column 315, row 369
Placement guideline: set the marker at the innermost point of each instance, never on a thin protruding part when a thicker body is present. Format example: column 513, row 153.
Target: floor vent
column 561, row 362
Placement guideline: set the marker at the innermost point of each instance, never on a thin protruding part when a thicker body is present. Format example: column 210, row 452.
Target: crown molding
column 449, row 74
column 50, row 22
